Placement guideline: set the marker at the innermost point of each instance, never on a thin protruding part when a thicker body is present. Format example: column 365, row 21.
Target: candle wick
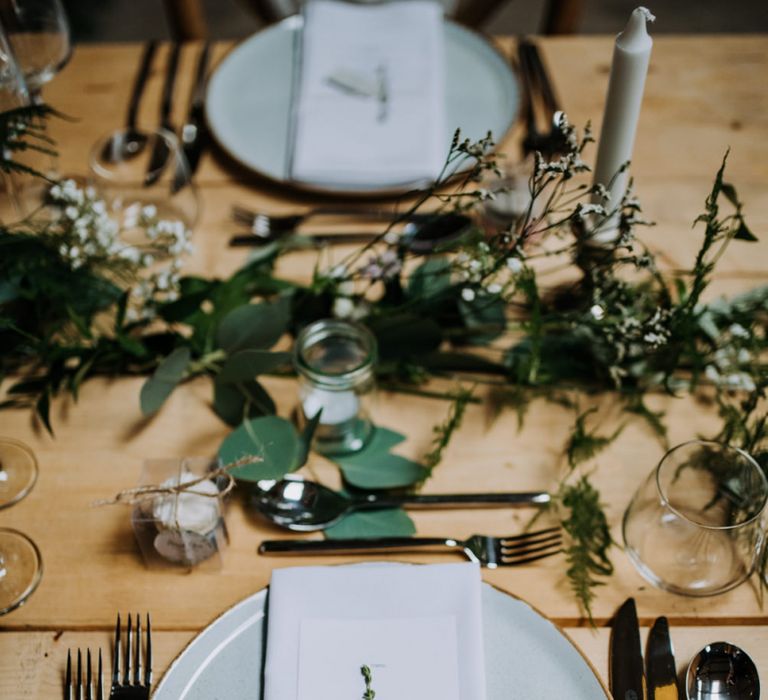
column 647, row 14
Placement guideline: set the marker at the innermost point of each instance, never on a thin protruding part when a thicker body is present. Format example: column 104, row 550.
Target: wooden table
column 704, row 94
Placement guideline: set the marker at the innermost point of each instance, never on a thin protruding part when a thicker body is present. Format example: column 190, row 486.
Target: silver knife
column 194, row 133
column 626, row 657
column 660, row 663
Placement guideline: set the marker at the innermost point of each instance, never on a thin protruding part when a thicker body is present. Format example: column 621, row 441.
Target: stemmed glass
column 38, row 31
column 21, row 565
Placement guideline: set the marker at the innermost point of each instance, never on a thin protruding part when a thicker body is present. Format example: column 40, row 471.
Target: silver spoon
column 722, row 671
column 298, row 504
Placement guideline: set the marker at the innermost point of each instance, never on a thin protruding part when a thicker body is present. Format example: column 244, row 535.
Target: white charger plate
column 249, row 100
column 526, row 656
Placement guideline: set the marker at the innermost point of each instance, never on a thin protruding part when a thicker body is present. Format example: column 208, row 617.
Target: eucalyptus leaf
column 233, row 402
column 306, row 436
column 246, row 364
column 484, row 316
column 159, row 386
column 380, row 470
column 382, row 440
column 387, row 522
column 429, row 279
column 252, row 326
column 271, row 438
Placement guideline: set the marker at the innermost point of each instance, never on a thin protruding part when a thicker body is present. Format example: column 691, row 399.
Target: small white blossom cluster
column 481, row 271
column 87, row 232
column 382, row 266
column 730, row 363
column 570, row 161
column 89, row 237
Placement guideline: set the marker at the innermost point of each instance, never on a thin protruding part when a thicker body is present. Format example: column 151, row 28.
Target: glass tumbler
column 335, row 362
column 694, row 527
column 144, row 175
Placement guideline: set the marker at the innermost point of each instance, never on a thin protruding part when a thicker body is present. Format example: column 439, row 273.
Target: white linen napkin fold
column 419, row 627
column 371, row 94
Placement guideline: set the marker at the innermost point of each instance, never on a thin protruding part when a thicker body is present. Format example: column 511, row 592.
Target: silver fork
column 268, row 225
column 79, row 687
column 490, row 552
column 132, row 685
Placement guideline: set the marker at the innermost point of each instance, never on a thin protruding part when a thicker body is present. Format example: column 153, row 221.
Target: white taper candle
column 631, row 55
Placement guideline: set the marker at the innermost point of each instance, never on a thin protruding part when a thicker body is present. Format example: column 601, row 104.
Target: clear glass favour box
column 181, row 528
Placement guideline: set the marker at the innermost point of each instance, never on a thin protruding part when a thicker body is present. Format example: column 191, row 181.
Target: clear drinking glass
column 154, row 183
column 335, row 362
column 39, row 34
column 21, row 565
column 694, row 527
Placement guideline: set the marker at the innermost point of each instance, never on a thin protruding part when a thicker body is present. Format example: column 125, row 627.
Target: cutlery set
column 194, row 134
column 131, row 668
column 720, row 671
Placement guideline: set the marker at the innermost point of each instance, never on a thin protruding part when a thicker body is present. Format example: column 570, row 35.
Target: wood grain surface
column 704, row 95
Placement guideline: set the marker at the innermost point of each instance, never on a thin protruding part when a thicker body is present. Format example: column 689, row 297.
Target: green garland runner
column 474, row 310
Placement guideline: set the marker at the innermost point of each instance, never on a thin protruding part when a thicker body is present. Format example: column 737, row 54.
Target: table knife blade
column 627, row 680
column 194, row 134
column 660, row 663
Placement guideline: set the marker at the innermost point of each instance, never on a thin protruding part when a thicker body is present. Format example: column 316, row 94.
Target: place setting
column 413, row 418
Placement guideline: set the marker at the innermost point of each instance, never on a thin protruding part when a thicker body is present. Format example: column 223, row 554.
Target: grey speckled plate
column 526, row 656
column 248, row 103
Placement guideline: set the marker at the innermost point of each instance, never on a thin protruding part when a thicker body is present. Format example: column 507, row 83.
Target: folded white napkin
column 371, row 94
column 419, row 629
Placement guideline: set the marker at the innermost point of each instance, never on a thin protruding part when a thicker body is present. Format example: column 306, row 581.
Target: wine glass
column 21, row 565
column 38, row 31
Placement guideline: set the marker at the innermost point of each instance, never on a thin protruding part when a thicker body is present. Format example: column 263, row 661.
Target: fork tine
column 79, row 674
column 148, row 657
column 530, row 546
column 88, row 695
column 525, row 536
column 534, row 557
column 128, row 651
column 68, row 677
column 116, row 656
column 99, row 680
column 137, row 665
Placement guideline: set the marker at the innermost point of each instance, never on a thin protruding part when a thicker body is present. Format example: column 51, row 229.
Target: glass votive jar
column 183, row 523
column 335, row 363
column 694, row 527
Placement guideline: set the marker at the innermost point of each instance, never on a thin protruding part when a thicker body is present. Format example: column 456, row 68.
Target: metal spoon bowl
column 722, row 671
column 301, row 505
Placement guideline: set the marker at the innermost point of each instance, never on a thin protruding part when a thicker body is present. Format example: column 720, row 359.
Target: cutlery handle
column 545, row 83
column 350, row 546
column 456, row 499
column 168, row 87
column 141, row 79
column 375, row 214
column 317, row 238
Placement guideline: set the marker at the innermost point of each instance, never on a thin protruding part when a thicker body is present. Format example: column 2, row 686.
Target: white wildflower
column 343, row 307
column 738, row 331
column 597, row 312
column 468, row 294
column 514, row 265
